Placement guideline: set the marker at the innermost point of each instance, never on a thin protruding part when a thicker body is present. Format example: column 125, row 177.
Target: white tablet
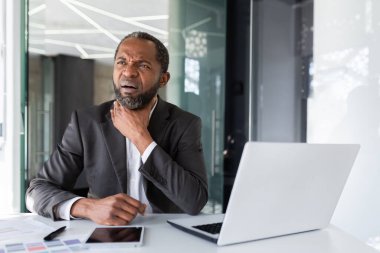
column 116, row 236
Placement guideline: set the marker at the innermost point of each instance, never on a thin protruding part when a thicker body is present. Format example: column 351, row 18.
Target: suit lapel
column 158, row 120
column 157, row 124
column 115, row 143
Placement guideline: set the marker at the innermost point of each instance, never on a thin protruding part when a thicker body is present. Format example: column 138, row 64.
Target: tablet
column 116, row 236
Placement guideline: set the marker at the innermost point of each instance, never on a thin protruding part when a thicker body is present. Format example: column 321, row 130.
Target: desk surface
column 161, row 237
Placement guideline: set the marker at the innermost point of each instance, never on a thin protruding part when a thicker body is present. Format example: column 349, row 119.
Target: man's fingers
column 137, row 205
column 142, row 209
column 134, row 202
column 117, row 105
column 116, row 221
column 133, row 209
column 128, row 208
column 119, row 209
column 127, row 216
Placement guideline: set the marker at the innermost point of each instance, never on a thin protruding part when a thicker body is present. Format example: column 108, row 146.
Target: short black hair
column 162, row 52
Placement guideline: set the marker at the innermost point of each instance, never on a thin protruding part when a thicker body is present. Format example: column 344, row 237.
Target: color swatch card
column 56, row 246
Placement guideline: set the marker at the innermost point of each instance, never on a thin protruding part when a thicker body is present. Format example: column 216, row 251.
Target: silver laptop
column 279, row 189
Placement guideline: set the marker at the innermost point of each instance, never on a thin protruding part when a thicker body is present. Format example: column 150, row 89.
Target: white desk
column 161, row 237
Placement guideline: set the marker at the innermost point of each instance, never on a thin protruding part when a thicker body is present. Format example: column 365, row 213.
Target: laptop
column 279, row 189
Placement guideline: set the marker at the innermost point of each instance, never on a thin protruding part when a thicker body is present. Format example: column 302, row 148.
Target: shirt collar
column 154, row 107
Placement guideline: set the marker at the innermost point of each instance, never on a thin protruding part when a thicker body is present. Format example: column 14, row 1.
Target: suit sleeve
column 182, row 178
column 58, row 175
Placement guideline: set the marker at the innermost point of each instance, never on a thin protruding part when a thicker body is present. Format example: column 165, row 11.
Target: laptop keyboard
column 212, row 228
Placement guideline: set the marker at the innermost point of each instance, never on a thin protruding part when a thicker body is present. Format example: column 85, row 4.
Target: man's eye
column 121, row 62
column 145, row 66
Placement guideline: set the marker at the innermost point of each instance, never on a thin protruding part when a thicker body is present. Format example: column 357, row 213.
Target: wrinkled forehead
column 137, row 49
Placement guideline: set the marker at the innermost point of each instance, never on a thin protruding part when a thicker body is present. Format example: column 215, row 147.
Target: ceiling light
column 99, row 56
column 146, row 18
column 70, row 44
column 197, row 24
column 92, row 22
column 37, row 9
column 117, row 17
column 36, row 50
column 81, row 50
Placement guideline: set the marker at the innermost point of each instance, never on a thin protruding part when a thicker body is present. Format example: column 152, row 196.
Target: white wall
column 345, row 104
column 10, row 165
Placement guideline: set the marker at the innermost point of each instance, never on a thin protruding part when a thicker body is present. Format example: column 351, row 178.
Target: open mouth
column 128, row 86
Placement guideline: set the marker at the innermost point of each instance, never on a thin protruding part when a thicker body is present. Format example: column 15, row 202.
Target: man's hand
column 133, row 124
column 116, row 210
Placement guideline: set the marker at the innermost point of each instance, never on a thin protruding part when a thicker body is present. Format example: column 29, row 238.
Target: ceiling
column 91, row 29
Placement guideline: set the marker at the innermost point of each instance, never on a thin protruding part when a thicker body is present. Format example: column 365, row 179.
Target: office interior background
column 262, row 70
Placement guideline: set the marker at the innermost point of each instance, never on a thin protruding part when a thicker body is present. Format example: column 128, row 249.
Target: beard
column 140, row 100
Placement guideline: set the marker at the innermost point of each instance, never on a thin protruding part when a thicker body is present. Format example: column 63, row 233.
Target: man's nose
column 130, row 71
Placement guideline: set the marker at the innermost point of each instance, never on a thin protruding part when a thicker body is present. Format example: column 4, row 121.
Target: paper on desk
column 21, row 228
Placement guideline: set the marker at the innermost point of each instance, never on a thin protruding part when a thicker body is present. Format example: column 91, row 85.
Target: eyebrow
column 138, row 60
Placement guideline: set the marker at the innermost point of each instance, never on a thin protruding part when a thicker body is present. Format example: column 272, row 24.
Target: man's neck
column 153, row 102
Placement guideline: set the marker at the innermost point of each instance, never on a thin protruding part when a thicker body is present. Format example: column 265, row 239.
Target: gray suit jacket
column 175, row 174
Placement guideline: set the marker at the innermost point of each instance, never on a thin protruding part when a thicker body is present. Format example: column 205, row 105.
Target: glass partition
column 2, row 80
column 12, row 104
column 345, row 101
column 194, row 32
column 197, row 46
column 2, row 100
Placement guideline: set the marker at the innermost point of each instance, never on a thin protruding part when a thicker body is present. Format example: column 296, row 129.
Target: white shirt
column 135, row 187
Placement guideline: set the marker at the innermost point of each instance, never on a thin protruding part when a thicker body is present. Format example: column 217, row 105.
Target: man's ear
column 164, row 79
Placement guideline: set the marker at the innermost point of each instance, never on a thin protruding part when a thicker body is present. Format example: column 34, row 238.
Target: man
column 140, row 153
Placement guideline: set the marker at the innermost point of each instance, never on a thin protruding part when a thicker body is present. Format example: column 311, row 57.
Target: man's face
column 137, row 73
